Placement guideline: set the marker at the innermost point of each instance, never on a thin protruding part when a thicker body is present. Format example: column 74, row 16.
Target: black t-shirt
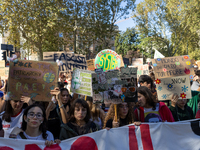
column 54, row 121
column 123, row 122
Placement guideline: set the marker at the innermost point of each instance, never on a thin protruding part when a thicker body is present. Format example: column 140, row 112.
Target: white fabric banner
column 153, row 136
column 157, row 54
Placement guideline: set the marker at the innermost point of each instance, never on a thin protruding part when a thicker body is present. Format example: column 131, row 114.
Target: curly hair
column 83, row 103
column 111, row 113
column 42, row 126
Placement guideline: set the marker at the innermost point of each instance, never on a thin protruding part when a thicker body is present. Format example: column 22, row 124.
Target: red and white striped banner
column 154, row 136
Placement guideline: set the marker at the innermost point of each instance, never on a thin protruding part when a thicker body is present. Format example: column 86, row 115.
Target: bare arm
column 2, row 104
column 63, row 111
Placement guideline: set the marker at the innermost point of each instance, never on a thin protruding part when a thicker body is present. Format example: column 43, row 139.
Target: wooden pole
column 115, row 105
column 85, row 98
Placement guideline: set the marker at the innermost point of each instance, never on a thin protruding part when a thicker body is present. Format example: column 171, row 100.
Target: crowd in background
column 68, row 114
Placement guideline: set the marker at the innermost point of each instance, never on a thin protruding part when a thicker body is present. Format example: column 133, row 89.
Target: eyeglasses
column 32, row 115
column 132, row 89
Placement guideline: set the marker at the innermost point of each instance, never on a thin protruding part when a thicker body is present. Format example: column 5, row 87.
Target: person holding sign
column 79, row 122
column 180, row 110
column 124, row 113
column 34, row 126
column 149, row 110
column 12, row 116
column 57, row 110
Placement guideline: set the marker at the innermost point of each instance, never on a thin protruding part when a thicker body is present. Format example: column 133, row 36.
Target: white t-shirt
column 99, row 123
column 16, row 121
column 49, row 136
column 151, row 115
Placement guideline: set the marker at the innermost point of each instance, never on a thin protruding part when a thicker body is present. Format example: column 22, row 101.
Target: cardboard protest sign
column 90, row 64
column 172, row 66
column 32, row 78
column 82, row 82
column 180, row 85
column 107, row 60
column 2, row 68
column 70, row 60
column 122, row 62
column 142, row 70
column 115, row 86
column 137, row 61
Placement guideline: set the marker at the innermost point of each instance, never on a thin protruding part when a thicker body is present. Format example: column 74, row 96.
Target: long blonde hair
column 94, row 109
column 111, row 113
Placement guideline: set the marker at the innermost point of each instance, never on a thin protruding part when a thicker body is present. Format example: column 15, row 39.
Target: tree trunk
column 40, row 54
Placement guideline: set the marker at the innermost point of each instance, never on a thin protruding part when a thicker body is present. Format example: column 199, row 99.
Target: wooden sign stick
column 115, row 106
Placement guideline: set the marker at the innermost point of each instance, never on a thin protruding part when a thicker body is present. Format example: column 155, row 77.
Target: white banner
column 153, row 136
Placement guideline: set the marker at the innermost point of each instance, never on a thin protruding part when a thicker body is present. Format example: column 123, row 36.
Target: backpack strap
column 21, row 134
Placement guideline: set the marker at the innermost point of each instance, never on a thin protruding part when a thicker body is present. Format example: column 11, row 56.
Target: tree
column 126, row 41
column 36, row 21
column 81, row 22
column 163, row 22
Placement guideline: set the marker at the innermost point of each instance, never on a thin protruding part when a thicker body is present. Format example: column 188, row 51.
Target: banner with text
column 90, row 64
column 82, row 82
column 166, row 87
column 153, row 136
column 172, row 67
column 32, row 78
column 70, row 60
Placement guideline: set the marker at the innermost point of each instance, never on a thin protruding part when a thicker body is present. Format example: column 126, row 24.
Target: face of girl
column 141, row 100
column 123, row 110
column 181, row 102
column 34, row 117
column 80, row 112
column 16, row 105
column 64, row 97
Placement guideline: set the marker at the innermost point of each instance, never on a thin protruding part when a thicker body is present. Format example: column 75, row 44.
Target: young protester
column 97, row 114
column 34, row 126
column 146, row 80
column 125, row 116
column 12, row 116
column 57, row 111
column 180, row 110
column 79, row 122
column 149, row 110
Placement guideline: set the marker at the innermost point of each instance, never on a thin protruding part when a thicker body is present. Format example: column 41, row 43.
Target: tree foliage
column 81, row 22
column 126, row 41
column 165, row 23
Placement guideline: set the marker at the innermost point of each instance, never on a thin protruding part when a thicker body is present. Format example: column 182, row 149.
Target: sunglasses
column 124, row 89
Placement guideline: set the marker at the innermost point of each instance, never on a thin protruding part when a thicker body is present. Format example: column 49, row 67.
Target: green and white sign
column 82, row 82
column 107, row 60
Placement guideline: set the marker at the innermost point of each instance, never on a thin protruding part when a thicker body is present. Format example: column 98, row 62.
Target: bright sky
column 127, row 23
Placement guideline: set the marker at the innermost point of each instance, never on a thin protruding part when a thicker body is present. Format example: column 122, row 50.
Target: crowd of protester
column 68, row 114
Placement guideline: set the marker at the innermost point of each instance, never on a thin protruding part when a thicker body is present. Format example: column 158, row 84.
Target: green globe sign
column 107, row 59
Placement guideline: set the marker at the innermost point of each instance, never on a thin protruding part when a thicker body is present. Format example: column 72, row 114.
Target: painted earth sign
column 107, row 60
